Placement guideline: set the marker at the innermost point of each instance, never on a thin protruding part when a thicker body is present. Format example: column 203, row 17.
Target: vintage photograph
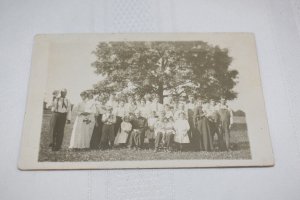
column 141, row 99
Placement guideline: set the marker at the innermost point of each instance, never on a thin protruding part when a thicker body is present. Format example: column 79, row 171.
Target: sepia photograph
column 145, row 101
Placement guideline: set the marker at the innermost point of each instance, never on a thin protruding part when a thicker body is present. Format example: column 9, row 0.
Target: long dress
column 97, row 132
column 181, row 127
column 190, row 115
column 123, row 133
column 202, row 126
column 91, row 109
column 80, row 129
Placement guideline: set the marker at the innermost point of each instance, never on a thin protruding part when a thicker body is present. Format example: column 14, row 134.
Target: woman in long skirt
column 79, row 127
column 202, row 125
column 97, row 132
column 90, row 110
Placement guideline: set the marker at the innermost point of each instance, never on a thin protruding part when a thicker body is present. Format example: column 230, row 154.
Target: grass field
column 239, row 138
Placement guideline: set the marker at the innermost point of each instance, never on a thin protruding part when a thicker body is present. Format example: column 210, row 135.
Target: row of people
column 104, row 124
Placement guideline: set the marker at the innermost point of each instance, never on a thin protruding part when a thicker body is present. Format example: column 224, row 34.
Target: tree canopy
column 165, row 67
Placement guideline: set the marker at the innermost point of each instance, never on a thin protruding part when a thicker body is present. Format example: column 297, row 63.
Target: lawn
column 239, row 138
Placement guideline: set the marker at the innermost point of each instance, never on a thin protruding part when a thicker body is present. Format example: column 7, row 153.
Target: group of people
column 137, row 122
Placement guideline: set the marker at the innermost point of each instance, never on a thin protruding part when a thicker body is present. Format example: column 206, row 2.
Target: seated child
column 169, row 133
column 159, row 132
column 122, row 136
column 149, row 134
column 181, row 127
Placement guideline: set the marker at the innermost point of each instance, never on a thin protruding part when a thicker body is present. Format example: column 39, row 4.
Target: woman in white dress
column 84, row 123
column 79, row 126
column 181, row 127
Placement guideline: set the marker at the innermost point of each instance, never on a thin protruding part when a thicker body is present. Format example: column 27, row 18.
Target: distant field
column 238, row 135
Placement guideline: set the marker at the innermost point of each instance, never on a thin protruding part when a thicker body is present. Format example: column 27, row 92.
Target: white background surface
column 276, row 25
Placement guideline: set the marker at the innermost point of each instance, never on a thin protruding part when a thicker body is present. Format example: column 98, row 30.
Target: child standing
column 181, row 127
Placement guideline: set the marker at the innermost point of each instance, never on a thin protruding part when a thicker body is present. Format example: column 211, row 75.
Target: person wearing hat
column 62, row 115
column 108, row 130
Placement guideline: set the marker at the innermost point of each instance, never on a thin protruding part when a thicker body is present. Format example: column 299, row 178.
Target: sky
column 70, row 66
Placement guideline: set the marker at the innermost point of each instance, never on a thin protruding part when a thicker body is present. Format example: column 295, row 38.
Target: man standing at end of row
column 61, row 114
column 226, row 121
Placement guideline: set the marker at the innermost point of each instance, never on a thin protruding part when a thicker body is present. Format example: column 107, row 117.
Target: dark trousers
column 203, row 127
column 118, row 124
column 59, row 122
column 97, row 133
column 137, row 138
column 214, row 130
column 108, row 136
column 167, row 137
column 158, row 139
column 225, row 135
column 51, row 128
column 191, row 133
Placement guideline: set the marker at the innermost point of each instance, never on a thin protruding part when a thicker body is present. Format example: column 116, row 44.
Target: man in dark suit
column 139, row 125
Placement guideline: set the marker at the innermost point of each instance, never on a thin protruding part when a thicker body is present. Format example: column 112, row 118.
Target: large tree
column 180, row 68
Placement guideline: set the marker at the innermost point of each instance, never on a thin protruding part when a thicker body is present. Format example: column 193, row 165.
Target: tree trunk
column 160, row 93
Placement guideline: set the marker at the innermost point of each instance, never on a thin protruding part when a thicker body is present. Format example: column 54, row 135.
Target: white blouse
column 181, row 126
